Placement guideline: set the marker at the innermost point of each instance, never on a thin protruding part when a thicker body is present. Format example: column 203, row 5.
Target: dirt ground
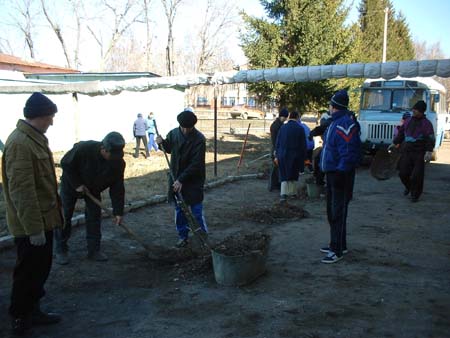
column 394, row 282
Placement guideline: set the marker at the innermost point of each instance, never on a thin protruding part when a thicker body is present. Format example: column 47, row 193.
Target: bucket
column 313, row 190
column 239, row 270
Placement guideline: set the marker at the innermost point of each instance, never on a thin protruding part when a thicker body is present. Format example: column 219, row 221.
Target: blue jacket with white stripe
column 342, row 144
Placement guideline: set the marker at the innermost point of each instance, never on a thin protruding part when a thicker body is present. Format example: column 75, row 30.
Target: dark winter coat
column 291, row 151
column 274, row 129
column 417, row 135
column 187, row 162
column 84, row 165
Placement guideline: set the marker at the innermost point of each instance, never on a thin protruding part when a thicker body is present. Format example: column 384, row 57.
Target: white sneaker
column 331, row 258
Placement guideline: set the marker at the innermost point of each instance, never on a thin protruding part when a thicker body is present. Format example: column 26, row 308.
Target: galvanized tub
column 238, row 270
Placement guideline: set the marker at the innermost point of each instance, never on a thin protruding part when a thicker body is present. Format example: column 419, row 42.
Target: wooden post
column 243, row 148
column 215, row 132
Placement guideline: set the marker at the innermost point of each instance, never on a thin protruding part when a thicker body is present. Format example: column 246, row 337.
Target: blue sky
column 428, row 20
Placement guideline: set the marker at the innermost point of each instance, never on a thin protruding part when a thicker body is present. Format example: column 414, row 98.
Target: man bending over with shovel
column 187, row 147
column 91, row 166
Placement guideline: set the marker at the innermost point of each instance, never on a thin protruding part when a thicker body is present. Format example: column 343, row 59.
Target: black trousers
column 274, row 178
column 31, row 271
column 338, row 198
column 318, row 174
column 411, row 171
column 92, row 213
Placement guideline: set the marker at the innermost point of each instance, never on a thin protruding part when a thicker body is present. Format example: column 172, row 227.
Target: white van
column 383, row 103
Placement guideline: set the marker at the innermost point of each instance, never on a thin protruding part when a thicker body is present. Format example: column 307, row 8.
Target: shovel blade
column 384, row 164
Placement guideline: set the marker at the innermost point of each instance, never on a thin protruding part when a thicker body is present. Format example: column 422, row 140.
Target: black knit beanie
column 420, row 106
column 38, row 105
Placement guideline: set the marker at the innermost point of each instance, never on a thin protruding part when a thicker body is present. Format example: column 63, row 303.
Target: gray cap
column 114, row 144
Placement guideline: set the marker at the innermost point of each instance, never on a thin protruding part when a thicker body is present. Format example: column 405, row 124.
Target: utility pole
column 386, row 12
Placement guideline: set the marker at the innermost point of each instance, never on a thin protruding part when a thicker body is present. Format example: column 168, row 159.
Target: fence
column 234, row 126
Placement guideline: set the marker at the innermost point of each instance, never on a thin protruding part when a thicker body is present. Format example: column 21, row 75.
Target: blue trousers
column 182, row 223
column 151, row 142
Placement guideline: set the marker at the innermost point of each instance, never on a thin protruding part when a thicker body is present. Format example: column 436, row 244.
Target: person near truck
column 274, row 179
column 151, row 132
column 417, row 140
column 91, row 166
column 339, row 158
column 33, row 211
column 140, row 133
column 290, row 152
column 187, row 147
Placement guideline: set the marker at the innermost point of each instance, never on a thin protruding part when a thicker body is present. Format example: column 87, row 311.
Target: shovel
column 155, row 252
column 384, row 164
column 193, row 225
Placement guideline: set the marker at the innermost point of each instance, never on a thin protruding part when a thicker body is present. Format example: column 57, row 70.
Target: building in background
column 84, row 116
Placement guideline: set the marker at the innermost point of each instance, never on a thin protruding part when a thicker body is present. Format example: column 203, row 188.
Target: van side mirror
column 436, row 97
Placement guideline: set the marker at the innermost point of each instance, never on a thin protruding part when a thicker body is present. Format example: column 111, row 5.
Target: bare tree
column 148, row 43
column 215, row 30
column 77, row 6
column 123, row 19
column 127, row 56
column 57, row 30
column 24, row 22
column 170, row 9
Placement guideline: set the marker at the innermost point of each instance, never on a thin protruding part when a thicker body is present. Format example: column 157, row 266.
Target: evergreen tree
column 371, row 20
column 298, row 33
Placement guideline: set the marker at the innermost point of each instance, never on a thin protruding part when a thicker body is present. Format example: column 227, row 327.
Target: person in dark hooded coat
column 290, row 152
column 274, row 180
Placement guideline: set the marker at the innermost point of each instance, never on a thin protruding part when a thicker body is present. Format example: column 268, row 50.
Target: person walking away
column 274, row 180
column 32, row 211
column 417, row 140
column 91, row 166
column 186, row 146
column 339, row 158
column 139, row 132
column 151, row 131
column 309, row 144
column 290, row 153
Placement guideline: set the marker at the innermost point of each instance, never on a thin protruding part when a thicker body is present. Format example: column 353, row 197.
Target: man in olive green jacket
column 32, row 211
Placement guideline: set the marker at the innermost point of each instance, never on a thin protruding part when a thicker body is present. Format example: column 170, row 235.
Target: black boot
column 41, row 318
column 20, row 326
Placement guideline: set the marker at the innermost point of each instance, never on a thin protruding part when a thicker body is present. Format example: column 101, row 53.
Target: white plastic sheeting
column 387, row 70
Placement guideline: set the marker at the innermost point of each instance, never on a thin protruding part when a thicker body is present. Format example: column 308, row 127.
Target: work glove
column 427, row 157
column 159, row 139
column 391, row 147
column 38, row 239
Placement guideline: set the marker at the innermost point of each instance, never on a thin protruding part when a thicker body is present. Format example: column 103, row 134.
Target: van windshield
column 391, row 99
